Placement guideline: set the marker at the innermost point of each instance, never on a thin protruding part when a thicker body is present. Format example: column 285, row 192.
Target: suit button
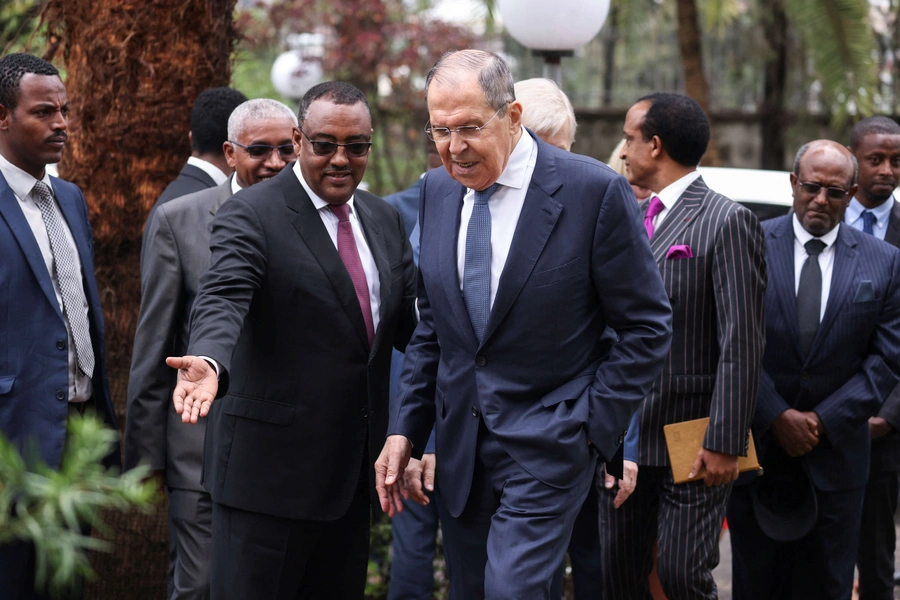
column 475, row 412
column 621, row 439
column 60, row 395
column 480, row 360
column 364, row 412
column 60, row 345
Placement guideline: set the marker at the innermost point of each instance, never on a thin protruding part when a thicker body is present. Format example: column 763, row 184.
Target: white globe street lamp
column 300, row 68
column 554, row 28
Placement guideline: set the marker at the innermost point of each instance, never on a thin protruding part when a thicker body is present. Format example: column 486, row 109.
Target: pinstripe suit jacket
column 717, row 323
column 854, row 363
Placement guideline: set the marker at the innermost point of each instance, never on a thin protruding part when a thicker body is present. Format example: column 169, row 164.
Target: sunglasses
column 832, row 193
column 353, row 149
column 264, row 151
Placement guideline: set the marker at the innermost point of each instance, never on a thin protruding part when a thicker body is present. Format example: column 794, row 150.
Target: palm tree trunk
column 695, row 82
column 772, row 119
column 132, row 69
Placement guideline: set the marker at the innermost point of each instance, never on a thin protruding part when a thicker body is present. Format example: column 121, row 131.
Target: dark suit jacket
column 302, row 396
column 191, row 179
column 177, row 253
column 718, row 327
column 886, row 449
column 407, row 204
column 34, row 369
column 854, row 362
column 543, row 379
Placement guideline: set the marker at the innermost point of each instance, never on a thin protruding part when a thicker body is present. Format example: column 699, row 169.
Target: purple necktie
column 656, row 207
column 350, row 255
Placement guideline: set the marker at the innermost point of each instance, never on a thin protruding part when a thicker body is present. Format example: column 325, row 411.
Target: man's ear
column 5, row 117
column 656, row 147
column 228, row 151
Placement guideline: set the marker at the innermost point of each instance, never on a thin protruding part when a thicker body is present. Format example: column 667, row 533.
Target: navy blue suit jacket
column 34, row 369
column 854, row 363
column 544, row 378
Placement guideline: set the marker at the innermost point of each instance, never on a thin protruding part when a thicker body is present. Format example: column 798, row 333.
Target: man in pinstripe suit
column 711, row 254
column 832, row 340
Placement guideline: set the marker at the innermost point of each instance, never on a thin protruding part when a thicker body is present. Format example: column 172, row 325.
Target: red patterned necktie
column 350, row 255
column 656, row 207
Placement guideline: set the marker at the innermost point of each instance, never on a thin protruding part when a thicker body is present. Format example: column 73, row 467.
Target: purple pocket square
column 680, row 251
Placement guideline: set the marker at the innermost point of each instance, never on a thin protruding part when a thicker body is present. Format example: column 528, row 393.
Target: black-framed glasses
column 353, row 149
column 264, row 151
column 467, row 132
column 812, row 189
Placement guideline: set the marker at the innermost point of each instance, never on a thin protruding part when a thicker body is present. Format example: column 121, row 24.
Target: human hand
column 797, row 433
column 878, row 427
column 626, row 484
column 419, row 476
column 196, row 387
column 389, row 470
column 720, row 468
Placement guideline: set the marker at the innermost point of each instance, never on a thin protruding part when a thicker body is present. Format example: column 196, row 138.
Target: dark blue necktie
column 477, row 268
column 869, row 222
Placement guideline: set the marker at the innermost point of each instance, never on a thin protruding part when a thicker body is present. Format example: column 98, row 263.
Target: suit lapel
column 375, row 238
column 679, row 218
column 21, row 230
column 539, row 215
column 780, row 257
column 450, row 216
column 309, row 225
column 845, row 259
column 223, row 194
column 892, row 235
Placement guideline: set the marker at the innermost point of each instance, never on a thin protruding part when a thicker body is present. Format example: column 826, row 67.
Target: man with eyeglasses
column 528, row 253
column 311, row 283
column 831, row 359
column 177, row 253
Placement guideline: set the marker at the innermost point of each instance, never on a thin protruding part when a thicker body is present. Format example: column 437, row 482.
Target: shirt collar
column 515, row 174
column 317, row 202
column 803, row 236
column 235, row 186
column 670, row 194
column 18, row 180
column 210, row 169
column 882, row 212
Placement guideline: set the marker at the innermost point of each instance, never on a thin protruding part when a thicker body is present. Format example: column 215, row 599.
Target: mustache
column 58, row 136
column 338, row 172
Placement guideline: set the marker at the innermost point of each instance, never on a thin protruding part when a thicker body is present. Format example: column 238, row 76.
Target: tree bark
column 772, row 120
column 133, row 69
column 695, row 83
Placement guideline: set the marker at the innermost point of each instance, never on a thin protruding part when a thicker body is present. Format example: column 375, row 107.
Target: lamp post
column 300, row 68
column 553, row 29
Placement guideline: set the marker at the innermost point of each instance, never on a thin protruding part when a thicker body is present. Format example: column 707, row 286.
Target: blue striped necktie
column 477, row 268
column 869, row 222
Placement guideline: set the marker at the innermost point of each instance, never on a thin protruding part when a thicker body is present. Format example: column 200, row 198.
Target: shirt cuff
column 212, row 362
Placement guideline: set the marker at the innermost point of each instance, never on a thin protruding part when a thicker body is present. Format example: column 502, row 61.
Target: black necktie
column 809, row 295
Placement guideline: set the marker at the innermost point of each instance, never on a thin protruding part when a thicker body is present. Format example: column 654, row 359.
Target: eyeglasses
column 832, row 193
column 467, row 132
column 353, row 149
column 264, row 151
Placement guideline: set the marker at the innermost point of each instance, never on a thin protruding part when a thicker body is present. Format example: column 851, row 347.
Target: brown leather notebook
column 683, row 441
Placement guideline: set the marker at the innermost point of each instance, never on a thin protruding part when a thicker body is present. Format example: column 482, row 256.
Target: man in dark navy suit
column 528, row 254
column 832, row 335
column 51, row 332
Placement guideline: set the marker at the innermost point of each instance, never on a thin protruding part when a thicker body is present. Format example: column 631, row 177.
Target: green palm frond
column 839, row 39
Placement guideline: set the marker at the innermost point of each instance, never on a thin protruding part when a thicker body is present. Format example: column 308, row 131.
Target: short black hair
column 15, row 66
column 209, row 118
column 336, row 92
column 681, row 125
column 869, row 126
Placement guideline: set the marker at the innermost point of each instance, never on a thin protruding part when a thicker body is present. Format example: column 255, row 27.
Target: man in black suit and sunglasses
column 177, row 253
column 311, row 283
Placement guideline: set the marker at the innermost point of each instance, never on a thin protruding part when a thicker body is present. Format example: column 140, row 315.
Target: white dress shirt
column 853, row 216
column 670, row 194
column 365, row 254
column 505, row 205
column 22, row 185
column 235, row 186
column 826, row 258
column 210, row 169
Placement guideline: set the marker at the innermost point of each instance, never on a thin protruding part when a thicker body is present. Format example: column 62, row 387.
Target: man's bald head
column 823, row 182
column 825, row 150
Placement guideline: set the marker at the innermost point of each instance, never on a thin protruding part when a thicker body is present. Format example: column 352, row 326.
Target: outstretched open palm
column 196, row 387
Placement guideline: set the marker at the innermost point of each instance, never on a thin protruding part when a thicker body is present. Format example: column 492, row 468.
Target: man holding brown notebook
column 710, row 252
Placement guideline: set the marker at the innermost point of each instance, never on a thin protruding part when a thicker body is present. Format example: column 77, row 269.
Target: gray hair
column 254, row 110
column 492, row 72
column 805, row 147
column 546, row 108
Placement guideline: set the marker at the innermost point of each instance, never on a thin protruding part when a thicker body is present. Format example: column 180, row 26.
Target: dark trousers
column 818, row 566
column 512, row 535
column 190, row 544
column 584, row 548
column 686, row 518
column 877, row 540
column 271, row 558
column 413, row 546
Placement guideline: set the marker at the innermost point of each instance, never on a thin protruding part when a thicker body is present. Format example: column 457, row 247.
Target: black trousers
column 877, row 539
column 261, row 557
